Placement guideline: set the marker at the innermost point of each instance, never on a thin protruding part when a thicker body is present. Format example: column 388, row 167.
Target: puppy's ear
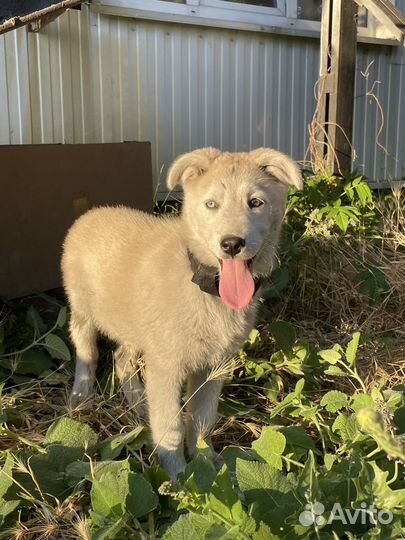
column 278, row 165
column 190, row 165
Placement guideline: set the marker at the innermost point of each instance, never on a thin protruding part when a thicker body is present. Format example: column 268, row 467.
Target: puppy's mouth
column 236, row 283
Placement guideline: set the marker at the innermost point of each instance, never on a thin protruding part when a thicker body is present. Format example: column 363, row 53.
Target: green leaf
column 6, row 508
column 335, row 371
column 334, row 400
column 267, row 492
column 362, row 401
column 112, row 447
column 141, row 498
column 298, row 442
column 32, row 362
column 342, row 221
column 108, row 495
column 284, row 334
column 189, row 527
column 330, row 356
column 6, row 478
column 346, row 426
column 62, row 315
column 270, row 446
column 385, row 497
column 106, row 532
column 72, row 434
column 264, row 533
column 56, row 347
column 200, row 474
column 351, row 350
column 34, row 319
column 371, row 422
column 224, row 502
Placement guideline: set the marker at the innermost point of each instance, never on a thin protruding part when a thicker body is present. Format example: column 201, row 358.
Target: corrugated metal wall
column 93, row 78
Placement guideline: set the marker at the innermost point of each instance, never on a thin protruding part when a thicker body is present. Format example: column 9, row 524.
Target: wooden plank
column 56, row 8
column 388, row 15
column 336, row 95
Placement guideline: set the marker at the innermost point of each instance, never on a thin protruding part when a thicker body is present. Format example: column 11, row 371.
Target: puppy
column 182, row 291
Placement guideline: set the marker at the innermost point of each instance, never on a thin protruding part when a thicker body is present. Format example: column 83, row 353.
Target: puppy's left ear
column 278, row 165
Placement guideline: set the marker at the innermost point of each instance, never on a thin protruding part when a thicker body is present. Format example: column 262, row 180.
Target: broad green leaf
column 141, row 498
column 351, row 350
column 267, row 491
column 334, row 400
column 189, row 527
column 270, row 446
column 108, row 495
column 223, row 499
column 362, row 401
column 298, row 442
column 284, row 334
column 200, row 474
column 342, row 221
column 254, row 476
column 56, row 347
column 346, row 426
column 330, row 356
column 71, row 433
column 32, row 362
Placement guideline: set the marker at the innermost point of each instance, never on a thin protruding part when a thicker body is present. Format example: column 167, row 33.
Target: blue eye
column 211, row 205
column 255, row 203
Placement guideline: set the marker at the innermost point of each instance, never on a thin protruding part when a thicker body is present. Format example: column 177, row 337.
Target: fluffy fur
column 127, row 275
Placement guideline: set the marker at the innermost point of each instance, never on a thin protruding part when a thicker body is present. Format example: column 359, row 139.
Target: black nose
column 232, row 245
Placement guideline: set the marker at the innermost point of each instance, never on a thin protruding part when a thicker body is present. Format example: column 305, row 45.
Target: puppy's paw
column 172, row 461
column 82, row 394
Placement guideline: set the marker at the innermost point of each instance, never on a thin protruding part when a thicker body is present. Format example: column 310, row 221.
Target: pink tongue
column 236, row 285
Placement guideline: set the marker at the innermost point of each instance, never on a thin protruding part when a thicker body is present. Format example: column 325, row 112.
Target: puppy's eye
column 255, row 203
column 211, row 205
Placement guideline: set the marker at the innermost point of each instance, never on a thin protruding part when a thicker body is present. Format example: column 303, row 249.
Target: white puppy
column 183, row 291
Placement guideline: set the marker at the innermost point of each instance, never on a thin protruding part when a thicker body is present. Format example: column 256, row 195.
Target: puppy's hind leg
column 84, row 337
column 125, row 367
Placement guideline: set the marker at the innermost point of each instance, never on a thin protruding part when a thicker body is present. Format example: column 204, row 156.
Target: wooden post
column 337, row 70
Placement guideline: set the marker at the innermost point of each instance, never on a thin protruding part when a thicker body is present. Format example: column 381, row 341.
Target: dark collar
column 207, row 277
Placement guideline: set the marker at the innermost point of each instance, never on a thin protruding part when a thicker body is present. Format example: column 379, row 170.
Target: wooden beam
column 337, row 75
column 57, row 8
column 388, row 15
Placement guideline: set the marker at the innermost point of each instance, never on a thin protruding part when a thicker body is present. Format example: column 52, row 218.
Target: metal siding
column 93, row 78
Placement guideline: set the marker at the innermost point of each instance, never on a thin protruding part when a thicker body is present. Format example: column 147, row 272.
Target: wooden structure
column 34, row 13
column 334, row 119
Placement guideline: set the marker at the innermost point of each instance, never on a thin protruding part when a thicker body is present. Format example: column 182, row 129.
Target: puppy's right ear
column 190, row 165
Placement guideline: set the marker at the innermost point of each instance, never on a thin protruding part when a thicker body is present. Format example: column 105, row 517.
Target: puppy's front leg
column 163, row 390
column 202, row 395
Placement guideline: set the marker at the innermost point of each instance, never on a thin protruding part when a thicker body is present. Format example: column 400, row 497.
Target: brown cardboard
column 45, row 187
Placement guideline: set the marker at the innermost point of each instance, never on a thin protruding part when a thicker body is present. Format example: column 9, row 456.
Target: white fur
column 127, row 275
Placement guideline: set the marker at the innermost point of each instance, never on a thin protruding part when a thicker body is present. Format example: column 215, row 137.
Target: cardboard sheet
column 44, row 188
